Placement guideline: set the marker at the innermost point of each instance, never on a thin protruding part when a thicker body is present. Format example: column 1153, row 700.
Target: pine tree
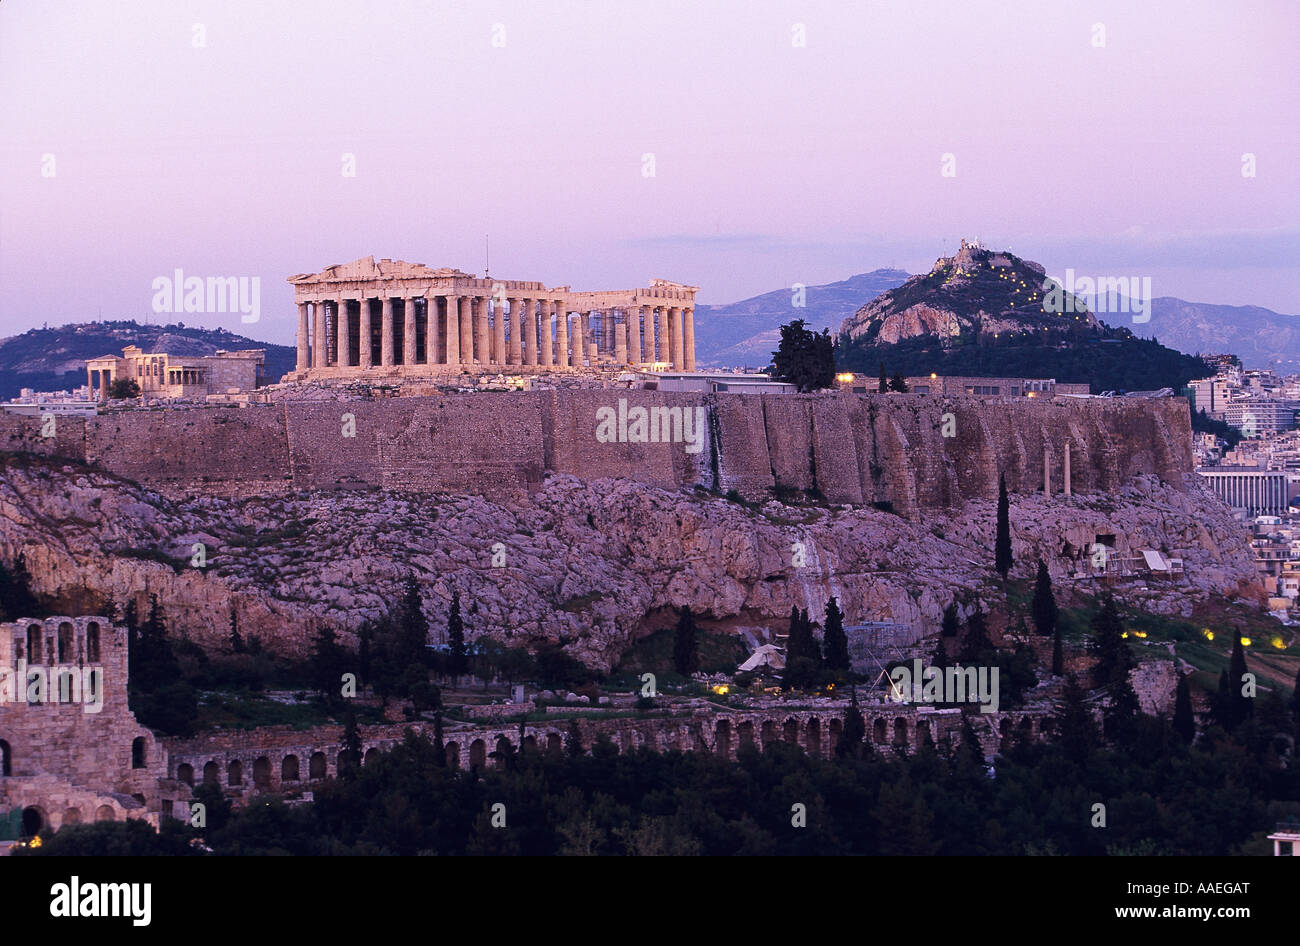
column 685, row 646
column 350, row 751
column 951, row 621
column 1243, row 707
column 834, row 641
column 1184, row 720
column 853, row 734
column 976, row 646
column 459, row 662
column 1002, row 546
column 326, row 665
column 803, row 657
column 412, row 626
column 1058, row 653
column 236, row 642
column 898, row 383
column 1073, row 725
column 884, row 381
column 1044, row 603
column 1113, row 658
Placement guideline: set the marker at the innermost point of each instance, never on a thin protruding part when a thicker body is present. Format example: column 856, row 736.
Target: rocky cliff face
column 591, row 564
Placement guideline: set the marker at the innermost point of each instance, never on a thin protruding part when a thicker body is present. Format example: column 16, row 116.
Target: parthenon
column 391, row 318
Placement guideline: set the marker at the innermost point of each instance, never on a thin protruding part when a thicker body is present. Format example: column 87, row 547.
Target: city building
column 992, row 387
column 1252, row 492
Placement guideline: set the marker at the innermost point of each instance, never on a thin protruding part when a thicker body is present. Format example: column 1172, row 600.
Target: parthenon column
column 661, row 320
column 1067, row 469
column 585, row 319
column 561, row 334
column 675, row 323
column 452, row 333
column 575, row 341
column 304, row 338
column 620, row 343
column 408, row 331
column 430, row 329
column 498, row 331
column 386, row 332
column 319, row 350
column 633, row 335
column 530, row 331
column 466, row 330
column 480, row 306
column 688, row 350
column 647, row 333
column 516, row 332
column 365, row 356
column 344, row 358
column 545, row 344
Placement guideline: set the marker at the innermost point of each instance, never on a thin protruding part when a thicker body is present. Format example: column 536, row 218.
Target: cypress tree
column 1044, row 603
column 884, row 382
column 573, row 741
column 1243, row 707
column 976, row 646
column 803, row 657
column 685, row 649
column 1058, row 654
column 413, row 627
column 1002, row 546
column 1184, row 721
column 951, row 622
column 350, row 751
column 834, row 640
column 459, row 662
column 853, row 734
column 1113, row 658
column 1072, row 724
column 898, row 383
column 236, row 642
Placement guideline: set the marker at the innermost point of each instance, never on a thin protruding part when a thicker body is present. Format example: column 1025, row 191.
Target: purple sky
column 774, row 163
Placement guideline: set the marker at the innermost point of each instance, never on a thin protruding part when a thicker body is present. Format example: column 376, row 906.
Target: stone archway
column 185, row 773
column 554, row 742
column 453, row 755
column 211, row 772
column 878, row 735
column 317, row 767
column 790, row 731
column 235, row 773
column 105, row 813
column 289, row 769
column 722, row 738
column 745, row 734
column 814, row 736
column 477, row 754
column 900, row 731
column 34, row 819
column 262, row 772
column 371, row 756
column 6, row 759
column 72, row 816
column 768, row 733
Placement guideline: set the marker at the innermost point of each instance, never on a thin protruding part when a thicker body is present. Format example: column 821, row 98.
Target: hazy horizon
column 220, row 150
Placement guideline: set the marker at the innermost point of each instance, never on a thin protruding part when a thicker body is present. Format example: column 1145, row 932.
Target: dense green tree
column 898, row 383
column 123, row 388
column 573, row 741
column 1184, row 720
column 1108, row 645
column 685, row 645
column 883, row 387
column 853, row 734
column 1243, row 706
column 16, row 597
column 804, row 358
column 835, row 642
column 327, row 664
column 951, row 621
column 1058, row 652
column 236, row 641
column 1002, row 544
column 1043, row 606
column 350, row 749
column 1072, row 724
column 976, row 646
column 803, row 658
column 459, row 661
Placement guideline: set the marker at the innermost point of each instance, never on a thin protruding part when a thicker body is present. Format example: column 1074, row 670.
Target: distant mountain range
column 1261, row 338
column 747, row 332
column 54, row 359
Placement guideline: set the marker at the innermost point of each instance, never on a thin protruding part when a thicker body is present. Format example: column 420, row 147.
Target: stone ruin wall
column 852, row 448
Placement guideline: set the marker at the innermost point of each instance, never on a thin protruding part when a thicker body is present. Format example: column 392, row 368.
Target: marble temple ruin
column 390, row 318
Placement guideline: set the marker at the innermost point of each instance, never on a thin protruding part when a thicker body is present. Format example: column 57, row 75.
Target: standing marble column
column 304, row 338
column 345, row 334
column 530, row 331
column 478, row 306
column 585, row 319
column 452, row 327
column 386, row 333
column 466, row 330
column 647, row 334
column 430, row 329
column 661, row 344
column 577, row 359
column 545, row 343
column 562, row 334
column 516, row 332
column 498, row 331
column 408, row 331
column 620, row 343
column 1067, row 469
column 365, row 356
column 688, row 350
column 633, row 330
column 318, row 347
column 675, row 321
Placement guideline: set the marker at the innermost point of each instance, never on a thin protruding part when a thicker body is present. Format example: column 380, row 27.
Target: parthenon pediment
column 368, row 268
